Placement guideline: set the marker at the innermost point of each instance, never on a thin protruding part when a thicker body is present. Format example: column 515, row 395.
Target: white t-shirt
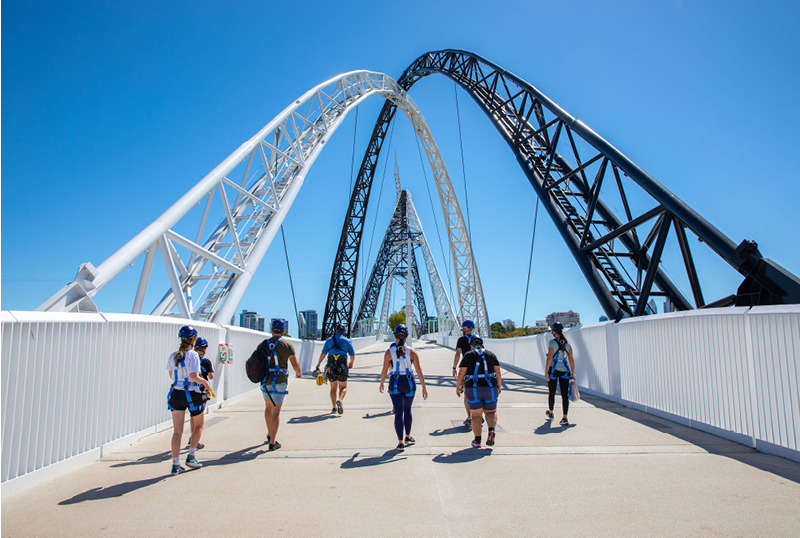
column 191, row 362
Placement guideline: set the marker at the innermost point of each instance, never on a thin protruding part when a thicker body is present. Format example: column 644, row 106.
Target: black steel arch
column 545, row 139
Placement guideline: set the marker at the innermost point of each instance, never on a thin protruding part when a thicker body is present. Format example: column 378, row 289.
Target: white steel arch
column 257, row 185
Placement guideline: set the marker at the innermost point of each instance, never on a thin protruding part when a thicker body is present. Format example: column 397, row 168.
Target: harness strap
column 276, row 371
column 395, row 376
column 186, row 386
column 475, row 376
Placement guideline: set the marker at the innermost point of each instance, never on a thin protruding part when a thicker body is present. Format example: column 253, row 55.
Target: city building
column 311, row 321
column 603, row 318
column 651, row 307
column 668, row 307
column 251, row 320
column 508, row 324
column 567, row 319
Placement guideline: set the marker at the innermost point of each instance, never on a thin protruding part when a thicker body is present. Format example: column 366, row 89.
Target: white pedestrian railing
column 734, row 372
column 77, row 386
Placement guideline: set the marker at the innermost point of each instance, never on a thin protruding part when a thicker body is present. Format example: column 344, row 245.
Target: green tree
column 396, row 319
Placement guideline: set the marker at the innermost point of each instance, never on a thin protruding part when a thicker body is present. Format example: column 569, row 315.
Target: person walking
column 207, row 373
column 185, row 394
column 479, row 374
column 402, row 387
column 336, row 348
column 274, row 388
column 462, row 348
column 560, row 368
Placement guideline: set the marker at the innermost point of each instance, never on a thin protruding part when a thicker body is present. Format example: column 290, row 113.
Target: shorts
column 176, row 401
column 484, row 395
column 338, row 372
column 277, row 398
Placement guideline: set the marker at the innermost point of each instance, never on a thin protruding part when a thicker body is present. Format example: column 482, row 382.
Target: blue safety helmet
column 278, row 325
column 187, row 332
column 468, row 323
column 476, row 341
column 340, row 328
column 401, row 330
column 201, row 342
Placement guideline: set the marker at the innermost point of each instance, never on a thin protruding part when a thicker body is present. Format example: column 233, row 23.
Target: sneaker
column 468, row 423
column 333, row 411
column 549, row 414
column 490, row 438
column 409, row 440
column 476, row 443
column 199, row 445
column 274, row 446
column 191, row 461
column 564, row 422
column 339, row 407
column 177, row 469
column 400, row 446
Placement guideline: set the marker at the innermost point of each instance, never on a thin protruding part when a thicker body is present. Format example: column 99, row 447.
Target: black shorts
column 177, row 402
column 337, row 372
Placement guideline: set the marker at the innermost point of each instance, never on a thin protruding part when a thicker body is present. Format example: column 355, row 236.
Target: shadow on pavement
column 463, row 456
column 550, row 426
column 449, row 431
column 386, row 457
column 155, row 458
column 310, row 420
column 376, row 415
column 117, row 490
column 238, row 456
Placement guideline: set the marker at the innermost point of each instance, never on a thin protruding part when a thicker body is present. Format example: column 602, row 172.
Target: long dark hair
column 186, row 343
column 562, row 340
column 401, row 350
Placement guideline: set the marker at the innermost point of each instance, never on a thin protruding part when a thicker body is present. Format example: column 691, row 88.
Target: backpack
column 256, row 365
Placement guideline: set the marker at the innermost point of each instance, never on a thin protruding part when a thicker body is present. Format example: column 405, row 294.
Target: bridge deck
column 615, row 472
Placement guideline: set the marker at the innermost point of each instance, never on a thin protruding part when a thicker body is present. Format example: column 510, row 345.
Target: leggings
column 402, row 414
column 564, row 382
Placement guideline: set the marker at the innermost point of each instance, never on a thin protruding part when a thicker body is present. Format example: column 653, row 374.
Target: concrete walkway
column 614, row 472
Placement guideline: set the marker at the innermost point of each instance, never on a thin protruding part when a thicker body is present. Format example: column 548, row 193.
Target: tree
column 396, row 319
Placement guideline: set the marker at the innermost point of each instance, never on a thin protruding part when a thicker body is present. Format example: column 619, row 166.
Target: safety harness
column 476, row 376
column 187, row 385
column 562, row 358
column 273, row 372
column 394, row 377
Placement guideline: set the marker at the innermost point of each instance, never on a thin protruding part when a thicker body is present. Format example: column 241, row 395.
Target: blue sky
column 112, row 110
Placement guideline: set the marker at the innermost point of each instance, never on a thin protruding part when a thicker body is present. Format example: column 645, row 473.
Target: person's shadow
column 312, row 419
column 386, row 457
column 155, row 458
column 376, row 415
column 448, row 431
column 117, row 490
column 550, row 426
column 463, row 456
column 244, row 454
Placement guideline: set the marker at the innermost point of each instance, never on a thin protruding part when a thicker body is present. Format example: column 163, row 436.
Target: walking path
column 613, row 472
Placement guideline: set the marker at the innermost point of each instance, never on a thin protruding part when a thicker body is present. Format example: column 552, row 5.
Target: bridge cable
column 291, row 284
column 380, row 195
column 463, row 170
column 530, row 263
column 438, row 232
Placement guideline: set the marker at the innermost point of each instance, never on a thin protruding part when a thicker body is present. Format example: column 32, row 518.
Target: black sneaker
column 274, row 446
column 409, row 440
column 400, row 446
column 490, row 438
column 564, row 422
column 549, row 414
column 468, row 423
column 339, row 407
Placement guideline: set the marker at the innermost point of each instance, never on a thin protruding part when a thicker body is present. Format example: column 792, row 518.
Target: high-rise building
column 567, row 319
column 508, row 324
column 651, row 307
column 311, row 320
column 251, row 320
column 668, row 307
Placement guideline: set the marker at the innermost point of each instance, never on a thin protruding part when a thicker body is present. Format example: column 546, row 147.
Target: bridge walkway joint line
column 613, row 472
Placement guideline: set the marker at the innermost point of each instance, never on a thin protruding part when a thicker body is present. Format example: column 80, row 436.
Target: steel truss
column 392, row 263
column 572, row 170
column 256, row 185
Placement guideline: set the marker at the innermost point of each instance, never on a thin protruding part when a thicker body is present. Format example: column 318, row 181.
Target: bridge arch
column 622, row 268
column 273, row 165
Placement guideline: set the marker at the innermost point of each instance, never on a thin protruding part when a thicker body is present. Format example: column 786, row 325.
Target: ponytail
column 401, row 342
column 562, row 341
column 185, row 344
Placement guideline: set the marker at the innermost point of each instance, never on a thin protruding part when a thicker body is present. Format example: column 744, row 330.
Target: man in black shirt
column 462, row 348
column 479, row 373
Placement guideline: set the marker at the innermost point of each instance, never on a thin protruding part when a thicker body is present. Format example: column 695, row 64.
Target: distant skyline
column 112, row 111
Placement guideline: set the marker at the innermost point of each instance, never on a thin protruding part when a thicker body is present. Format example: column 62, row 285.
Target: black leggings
column 551, row 400
column 402, row 414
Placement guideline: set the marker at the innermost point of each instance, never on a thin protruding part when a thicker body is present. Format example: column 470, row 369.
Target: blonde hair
column 186, row 343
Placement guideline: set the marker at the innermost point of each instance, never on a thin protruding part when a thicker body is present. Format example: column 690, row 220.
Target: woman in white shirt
column 185, row 394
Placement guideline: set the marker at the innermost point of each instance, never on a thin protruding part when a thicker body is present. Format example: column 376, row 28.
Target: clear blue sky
column 113, row 110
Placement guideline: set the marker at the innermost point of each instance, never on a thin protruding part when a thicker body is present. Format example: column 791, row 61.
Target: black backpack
column 256, row 365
